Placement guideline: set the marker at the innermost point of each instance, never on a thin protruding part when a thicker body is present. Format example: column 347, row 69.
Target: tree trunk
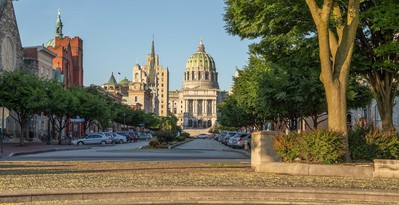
column 385, row 109
column 23, row 129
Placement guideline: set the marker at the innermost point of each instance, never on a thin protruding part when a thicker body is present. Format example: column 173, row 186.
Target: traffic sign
column 77, row 120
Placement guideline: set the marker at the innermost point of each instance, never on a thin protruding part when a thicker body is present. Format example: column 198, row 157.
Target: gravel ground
column 80, row 175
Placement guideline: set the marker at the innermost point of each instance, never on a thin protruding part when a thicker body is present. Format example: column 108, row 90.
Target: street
column 201, row 150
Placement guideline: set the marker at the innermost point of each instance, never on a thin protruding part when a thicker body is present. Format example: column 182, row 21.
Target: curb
column 13, row 154
column 246, row 153
column 225, row 195
column 179, row 143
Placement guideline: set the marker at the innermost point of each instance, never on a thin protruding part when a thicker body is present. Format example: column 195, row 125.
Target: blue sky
column 117, row 33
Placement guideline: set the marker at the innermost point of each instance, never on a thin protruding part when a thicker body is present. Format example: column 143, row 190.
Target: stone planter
column 386, row 168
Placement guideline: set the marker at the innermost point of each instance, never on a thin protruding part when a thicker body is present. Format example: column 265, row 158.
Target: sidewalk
column 32, row 147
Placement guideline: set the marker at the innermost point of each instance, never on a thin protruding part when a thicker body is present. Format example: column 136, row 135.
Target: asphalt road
column 200, row 150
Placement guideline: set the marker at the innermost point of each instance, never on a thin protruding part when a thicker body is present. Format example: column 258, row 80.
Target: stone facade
column 158, row 81
column 195, row 105
column 9, row 30
column 148, row 89
column 40, row 61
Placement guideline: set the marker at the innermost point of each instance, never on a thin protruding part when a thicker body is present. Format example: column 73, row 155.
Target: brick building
column 69, row 55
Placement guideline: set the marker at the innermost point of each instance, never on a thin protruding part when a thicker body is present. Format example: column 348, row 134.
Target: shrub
column 285, row 146
column 180, row 138
column 154, row 143
column 165, row 136
column 320, row 146
column 368, row 143
column 185, row 134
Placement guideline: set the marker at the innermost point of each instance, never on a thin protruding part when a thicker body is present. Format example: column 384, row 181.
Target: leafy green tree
column 22, row 93
column 284, row 22
column 377, row 53
column 91, row 107
column 60, row 105
column 151, row 121
column 231, row 114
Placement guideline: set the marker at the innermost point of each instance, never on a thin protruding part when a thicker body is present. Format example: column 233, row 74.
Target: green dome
column 124, row 82
column 201, row 60
column 200, row 71
column 51, row 43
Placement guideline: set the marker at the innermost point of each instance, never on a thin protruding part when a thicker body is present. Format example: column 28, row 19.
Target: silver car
column 94, row 138
column 117, row 138
column 238, row 141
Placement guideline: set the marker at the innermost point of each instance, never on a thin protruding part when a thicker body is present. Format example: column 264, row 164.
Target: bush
column 180, row 138
column 185, row 134
column 285, row 146
column 320, row 146
column 165, row 136
column 154, row 143
column 367, row 143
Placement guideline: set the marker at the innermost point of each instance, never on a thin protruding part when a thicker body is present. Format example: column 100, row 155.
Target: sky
column 117, row 34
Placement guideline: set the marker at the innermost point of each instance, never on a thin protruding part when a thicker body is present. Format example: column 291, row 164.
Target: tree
column 377, row 53
column 231, row 114
column 60, row 104
column 336, row 23
column 22, row 93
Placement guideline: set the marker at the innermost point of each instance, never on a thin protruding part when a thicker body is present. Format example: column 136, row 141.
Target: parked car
column 241, row 142
column 118, row 139
column 134, row 136
column 95, row 138
column 228, row 136
column 238, row 140
column 221, row 136
column 129, row 137
column 201, row 136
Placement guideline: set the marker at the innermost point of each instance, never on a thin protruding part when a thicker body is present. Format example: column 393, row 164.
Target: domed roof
column 124, row 82
column 51, row 43
column 201, row 60
column 200, row 71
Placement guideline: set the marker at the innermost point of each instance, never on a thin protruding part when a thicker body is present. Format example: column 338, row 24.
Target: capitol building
column 195, row 105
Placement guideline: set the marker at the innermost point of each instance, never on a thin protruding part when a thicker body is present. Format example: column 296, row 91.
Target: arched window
column 207, row 75
column 199, row 123
column 209, row 123
column 136, row 77
column 190, row 123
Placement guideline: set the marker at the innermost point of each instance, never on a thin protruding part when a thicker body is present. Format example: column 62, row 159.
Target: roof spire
column 201, row 47
column 58, row 25
column 112, row 80
column 152, row 64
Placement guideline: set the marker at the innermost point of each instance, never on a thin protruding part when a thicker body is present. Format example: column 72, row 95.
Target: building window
column 206, row 76
column 135, row 98
column 199, row 75
column 175, row 111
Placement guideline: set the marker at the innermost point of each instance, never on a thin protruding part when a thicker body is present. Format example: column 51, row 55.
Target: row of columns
column 204, row 106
